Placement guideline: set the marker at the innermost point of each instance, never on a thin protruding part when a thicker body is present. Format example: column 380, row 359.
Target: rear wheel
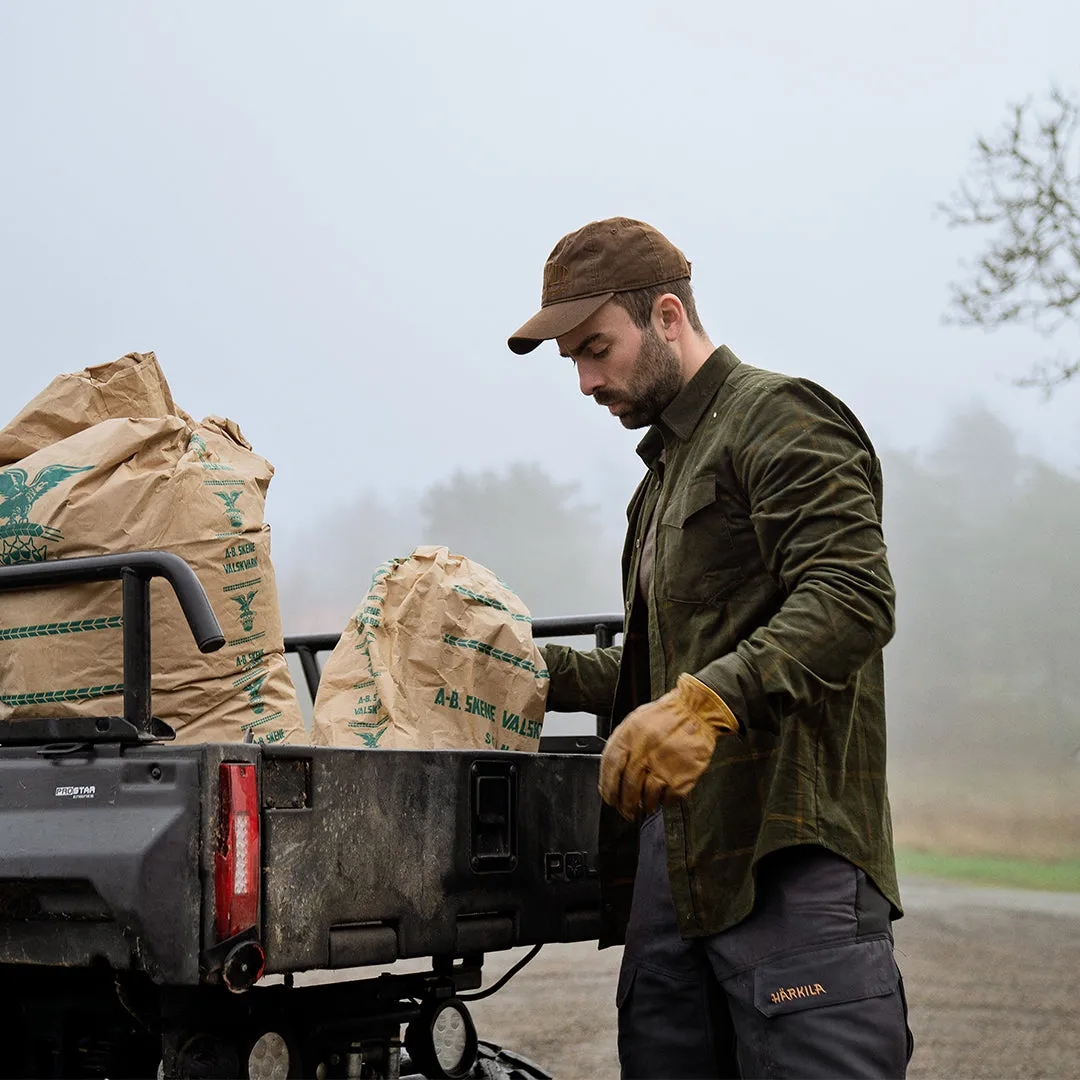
column 75, row 1022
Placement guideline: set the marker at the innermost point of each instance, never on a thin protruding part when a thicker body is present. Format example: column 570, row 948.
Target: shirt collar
column 684, row 413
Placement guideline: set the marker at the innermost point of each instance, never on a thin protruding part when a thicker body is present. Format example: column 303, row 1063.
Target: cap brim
column 555, row 320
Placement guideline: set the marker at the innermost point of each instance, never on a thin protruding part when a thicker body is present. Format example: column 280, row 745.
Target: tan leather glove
column 658, row 752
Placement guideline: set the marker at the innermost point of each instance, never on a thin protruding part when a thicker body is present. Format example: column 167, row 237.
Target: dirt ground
column 992, row 977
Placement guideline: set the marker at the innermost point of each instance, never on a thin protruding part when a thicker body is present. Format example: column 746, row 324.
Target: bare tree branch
column 1024, row 185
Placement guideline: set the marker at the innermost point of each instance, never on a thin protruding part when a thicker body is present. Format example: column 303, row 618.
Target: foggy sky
column 326, row 218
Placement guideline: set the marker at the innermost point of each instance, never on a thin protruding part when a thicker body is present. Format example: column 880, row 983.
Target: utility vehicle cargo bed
column 185, row 863
column 367, row 856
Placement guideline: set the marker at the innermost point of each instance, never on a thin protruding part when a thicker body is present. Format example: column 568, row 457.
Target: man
column 747, row 695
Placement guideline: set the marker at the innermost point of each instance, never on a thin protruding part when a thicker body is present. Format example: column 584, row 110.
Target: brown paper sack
column 440, row 655
column 102, row 462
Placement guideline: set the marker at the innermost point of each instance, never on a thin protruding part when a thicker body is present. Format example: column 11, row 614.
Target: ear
column 670, row 315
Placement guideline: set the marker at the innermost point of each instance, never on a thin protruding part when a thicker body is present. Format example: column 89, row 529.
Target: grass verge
column 1062, row 875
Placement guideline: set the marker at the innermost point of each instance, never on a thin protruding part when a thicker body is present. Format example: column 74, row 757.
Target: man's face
column 634, row 372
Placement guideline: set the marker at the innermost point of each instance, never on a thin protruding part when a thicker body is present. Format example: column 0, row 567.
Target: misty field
column 1030, row 813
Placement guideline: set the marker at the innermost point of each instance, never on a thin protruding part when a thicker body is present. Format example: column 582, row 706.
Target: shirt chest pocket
column 696, row 560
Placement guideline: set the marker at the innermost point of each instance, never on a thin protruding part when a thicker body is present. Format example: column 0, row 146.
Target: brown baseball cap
column 588, row 267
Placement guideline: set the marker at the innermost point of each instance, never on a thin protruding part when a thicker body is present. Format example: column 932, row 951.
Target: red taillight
column 237, row 864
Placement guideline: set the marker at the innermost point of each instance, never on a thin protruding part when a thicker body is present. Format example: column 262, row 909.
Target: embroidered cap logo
column 556, row 279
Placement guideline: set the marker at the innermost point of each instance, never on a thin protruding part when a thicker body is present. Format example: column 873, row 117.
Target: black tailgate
column 375, row 855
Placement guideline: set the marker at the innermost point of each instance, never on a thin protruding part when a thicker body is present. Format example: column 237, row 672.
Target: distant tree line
column 983, row 668
column 533, row 532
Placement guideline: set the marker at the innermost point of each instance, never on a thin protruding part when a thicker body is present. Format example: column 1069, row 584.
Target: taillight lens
column 237, row 867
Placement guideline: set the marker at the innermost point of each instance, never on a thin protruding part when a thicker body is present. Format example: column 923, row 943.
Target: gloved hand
column 658, row 752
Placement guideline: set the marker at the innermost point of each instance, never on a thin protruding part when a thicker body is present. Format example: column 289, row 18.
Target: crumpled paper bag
column 440, row 655
column 103, row 461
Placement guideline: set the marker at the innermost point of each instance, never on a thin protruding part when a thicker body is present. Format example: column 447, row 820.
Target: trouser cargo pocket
column 665, row 1024
column 831, row 1011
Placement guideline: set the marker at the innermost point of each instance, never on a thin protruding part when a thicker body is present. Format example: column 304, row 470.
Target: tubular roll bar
column 135, row 569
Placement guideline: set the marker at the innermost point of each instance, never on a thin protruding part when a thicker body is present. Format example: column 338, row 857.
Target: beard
column 655, row 380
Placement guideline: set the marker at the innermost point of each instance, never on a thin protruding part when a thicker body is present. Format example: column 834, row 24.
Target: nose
column 590, row 378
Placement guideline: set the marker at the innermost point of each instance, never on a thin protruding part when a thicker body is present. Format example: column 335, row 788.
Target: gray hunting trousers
column 805, row 986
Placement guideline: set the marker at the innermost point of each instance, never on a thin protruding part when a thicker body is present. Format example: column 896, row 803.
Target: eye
column 599, row 354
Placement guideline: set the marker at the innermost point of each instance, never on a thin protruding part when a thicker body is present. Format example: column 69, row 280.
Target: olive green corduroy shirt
column 770, row 584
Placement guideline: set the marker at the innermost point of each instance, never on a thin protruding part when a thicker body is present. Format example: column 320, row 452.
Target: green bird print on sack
column 17, row 498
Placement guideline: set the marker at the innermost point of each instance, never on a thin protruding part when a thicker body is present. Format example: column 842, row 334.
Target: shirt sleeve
column 581, row 681
column 812, row 483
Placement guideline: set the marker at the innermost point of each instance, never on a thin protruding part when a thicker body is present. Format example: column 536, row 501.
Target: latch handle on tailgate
column 493, row 814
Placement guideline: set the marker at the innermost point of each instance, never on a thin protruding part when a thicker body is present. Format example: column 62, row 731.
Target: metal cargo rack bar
column 602, row 628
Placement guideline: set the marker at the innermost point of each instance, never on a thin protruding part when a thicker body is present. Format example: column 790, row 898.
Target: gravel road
column 992, row 977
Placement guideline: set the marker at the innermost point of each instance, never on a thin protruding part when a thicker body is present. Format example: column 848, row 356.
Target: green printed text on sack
column 530, row 729
column 452, row 699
